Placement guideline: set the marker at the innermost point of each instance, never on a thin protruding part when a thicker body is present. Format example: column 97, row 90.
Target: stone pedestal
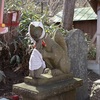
column 60, row 89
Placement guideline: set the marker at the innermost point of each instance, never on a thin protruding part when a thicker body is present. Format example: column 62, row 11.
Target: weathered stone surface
column 47, row 80
column 78, row 49
column 95, row 92
column 58, row 90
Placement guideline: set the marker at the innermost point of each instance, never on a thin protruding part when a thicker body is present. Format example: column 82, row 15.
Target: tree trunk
column 1, row 11
column 68, row 13
column 93, row 4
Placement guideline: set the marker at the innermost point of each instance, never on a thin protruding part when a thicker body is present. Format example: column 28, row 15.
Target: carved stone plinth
column 48, row 79
column 63, row 89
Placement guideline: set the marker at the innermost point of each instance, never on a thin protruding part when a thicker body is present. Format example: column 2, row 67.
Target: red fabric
column 43, row 44
column 15, row 97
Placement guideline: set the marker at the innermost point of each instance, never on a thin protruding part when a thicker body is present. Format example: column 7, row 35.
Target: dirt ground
column 17, row 77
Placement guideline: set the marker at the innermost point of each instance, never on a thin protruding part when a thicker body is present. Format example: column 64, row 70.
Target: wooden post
column 3, row 29
column 1, row 10
column 98, row 34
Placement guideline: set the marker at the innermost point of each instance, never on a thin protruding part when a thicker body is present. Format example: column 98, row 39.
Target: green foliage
column 30, row 12
column 20, row 44
column 87, row 38
column 26, row 18
column 92, row 50
column 22, row 5
column 15, row 59
column 2, row 76
column 92, row 53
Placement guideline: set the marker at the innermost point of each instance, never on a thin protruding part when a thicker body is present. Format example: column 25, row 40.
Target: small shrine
column 3, row 28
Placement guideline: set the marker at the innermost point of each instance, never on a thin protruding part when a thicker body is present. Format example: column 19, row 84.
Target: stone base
column 57, row 90
column 47, row 79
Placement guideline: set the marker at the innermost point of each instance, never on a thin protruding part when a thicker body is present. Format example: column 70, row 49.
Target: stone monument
column 78, row 49
column 56, row 82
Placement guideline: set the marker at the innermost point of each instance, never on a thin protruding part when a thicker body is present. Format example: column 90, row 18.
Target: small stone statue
column 48, row 56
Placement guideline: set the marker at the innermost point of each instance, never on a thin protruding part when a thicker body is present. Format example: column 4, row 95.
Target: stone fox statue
column 54, row 52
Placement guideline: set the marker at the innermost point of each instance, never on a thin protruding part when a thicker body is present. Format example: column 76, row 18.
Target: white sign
column 14, row 16
column 4, row 30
